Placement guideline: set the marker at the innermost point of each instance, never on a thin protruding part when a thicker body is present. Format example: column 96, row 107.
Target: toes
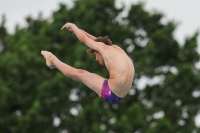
column 42, row 52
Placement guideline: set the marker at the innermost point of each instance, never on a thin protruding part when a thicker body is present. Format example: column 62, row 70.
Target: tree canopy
column 164, row 97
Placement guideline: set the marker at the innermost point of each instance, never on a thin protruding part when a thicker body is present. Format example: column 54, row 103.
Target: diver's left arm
column 83, row 37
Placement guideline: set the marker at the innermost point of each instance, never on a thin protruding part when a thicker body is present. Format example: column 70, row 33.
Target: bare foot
column 49, row 57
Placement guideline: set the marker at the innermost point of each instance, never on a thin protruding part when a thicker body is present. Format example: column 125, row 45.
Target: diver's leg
column 91, row 80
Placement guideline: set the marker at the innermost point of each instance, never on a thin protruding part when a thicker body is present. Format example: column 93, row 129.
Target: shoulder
column 102, row 46
column 117, row 47
column 110, row 50
column 110, row 47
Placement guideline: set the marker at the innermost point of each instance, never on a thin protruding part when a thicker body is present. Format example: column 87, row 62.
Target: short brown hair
column 106, row 40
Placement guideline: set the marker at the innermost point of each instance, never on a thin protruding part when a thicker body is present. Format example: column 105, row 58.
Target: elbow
column 83, row 39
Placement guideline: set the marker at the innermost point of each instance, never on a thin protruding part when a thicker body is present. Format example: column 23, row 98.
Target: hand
column 68, row 26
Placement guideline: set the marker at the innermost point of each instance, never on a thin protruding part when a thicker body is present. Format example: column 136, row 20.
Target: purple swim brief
column 108, row 95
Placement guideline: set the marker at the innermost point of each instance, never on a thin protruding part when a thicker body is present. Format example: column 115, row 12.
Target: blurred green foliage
column 35, row 99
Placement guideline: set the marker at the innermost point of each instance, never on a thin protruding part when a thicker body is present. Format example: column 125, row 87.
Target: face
column 99, row 58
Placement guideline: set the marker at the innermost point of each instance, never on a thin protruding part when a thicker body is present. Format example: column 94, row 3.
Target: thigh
column 93, row 81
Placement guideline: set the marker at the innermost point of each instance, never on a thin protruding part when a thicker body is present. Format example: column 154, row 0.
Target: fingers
column 63, row 27
column 43, row 52
column 67, row 26
column 71, row 30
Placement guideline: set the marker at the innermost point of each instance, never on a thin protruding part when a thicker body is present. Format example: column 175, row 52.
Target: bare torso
column 120, row 68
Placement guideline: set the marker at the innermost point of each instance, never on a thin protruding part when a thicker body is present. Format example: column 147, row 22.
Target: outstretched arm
column 89, row 35
column 84, row 37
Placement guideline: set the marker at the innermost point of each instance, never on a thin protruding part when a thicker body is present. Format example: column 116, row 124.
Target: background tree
column 37, row 99
column 4, row 34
